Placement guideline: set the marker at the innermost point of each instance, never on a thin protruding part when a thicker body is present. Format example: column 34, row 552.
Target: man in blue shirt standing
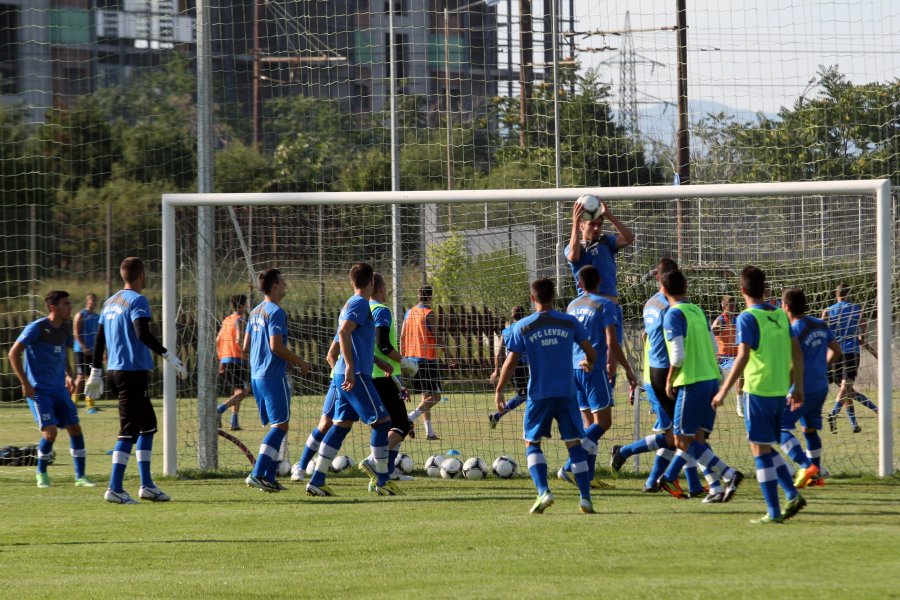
column 84, row 328
column 125, row 336
column 548, row 337
column 47, row 382
column 266, row 345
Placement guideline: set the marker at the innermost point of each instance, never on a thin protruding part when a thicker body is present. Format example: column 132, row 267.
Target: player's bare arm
column 590, row 356
column 616, row 349
column 795, row 398
column 499, row 357
column 334, row 351
column 344, row 332
column 15, row 361
column 626, row 236
column 280, row 350
column 575, row 239
column 509, row 365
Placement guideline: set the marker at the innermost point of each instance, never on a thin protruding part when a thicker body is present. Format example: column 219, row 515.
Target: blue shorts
column 693, row 408
column 726, row 362
column 762, row 418
column 362, row 403
column 273, row 397
column 592, row 390
column 539, row 416
column 330, row 397
column 663, row 418
column 809, row 415
column 53, row 407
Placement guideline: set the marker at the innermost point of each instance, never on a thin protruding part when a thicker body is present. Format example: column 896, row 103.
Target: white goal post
column 880, row 190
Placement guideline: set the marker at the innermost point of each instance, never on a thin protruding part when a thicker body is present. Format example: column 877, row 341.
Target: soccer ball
column 405, row 463
column 475, row 468
column 284, row 467
column 311, row 466
column 451, row 468
column 505, row 467
column 591, row 206
column 342, row 463
column 433, row 465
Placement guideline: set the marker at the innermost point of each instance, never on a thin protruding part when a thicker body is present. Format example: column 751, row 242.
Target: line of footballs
column 438, row 465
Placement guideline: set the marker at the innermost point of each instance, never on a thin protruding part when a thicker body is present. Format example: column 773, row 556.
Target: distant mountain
column 660, row 120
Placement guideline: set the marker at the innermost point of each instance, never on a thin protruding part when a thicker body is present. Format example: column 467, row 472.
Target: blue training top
column 548, row 338
column 814, row 336
column 46, row 349
column 267, row 320
column 124, row 350
column 600, row 254
column 844, row 318
column 90, row 322
column 596, row 313
column 507, row 335
column 654, row 314
column 362, row 339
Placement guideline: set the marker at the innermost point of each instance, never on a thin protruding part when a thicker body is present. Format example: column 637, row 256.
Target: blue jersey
column 843, row 318
column 748, row 328
column 596, row 313
column 46, row 351
column 600, row 254
column 362, row 339
column 124, row 350
column 267, row 320
column 89, row 322
column 814, row 336
column 654, row 313
column 507, row 335
column 547, row 338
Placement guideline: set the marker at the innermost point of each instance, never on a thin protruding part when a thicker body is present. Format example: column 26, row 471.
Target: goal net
column 479, row 250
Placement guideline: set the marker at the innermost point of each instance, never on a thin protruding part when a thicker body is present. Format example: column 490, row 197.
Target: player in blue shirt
column 588, row 245
column 85, row 330
column 770, row 360
column 548, row 336
column 656, row 371
column 265, row 343
column 846, row 320
column 125, row 336
column 357, row 399
column 593, row 388
column 326, row 419
column 693, row 381
column 47, row 383
column 820, row 349
column 519, row 378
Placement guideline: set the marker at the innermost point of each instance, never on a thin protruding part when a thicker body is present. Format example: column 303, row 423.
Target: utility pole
column 683, row 140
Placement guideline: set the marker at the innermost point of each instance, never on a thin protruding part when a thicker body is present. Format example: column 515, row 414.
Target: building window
column 362, row 98
column 401, row 42
column 9, row 54
column 400, row 6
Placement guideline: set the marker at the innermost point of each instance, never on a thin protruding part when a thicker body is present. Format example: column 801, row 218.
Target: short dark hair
column 543, row 290
column 425, row 293
column 380, row 283
column 753, row 281
column 267, row 279
column 361, row 275
column 842, row 291
column 666, row 265
column 131, row 269
column 237, row 301
column 91, row 295
column 53, row 297
column 727, row 299
column 675, row 282
column 795, row 300
column 518, row 313
column 589, row 278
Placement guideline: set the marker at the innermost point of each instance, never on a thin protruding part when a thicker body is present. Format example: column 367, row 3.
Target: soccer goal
column 479, row 249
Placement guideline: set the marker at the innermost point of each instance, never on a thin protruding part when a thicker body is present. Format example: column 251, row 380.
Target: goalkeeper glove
column 93, row 387
column 176, row 364
column 408, row 367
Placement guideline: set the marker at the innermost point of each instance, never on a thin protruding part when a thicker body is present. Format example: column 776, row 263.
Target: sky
column 755, row 55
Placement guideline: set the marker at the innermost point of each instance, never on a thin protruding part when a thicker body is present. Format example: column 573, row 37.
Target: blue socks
column 120, row 455
column 234, row 420
column 76, row 449
column 144, row 451
column 677, row 464
column 45, row 447
column 768, row 483
column 312, row 446
column 785, row 480
column 392, row 459
column 221, row 408
column 864, row 400
column 379, row 442
column 268, row 451
column 813, row 447
column 695, row 486
column 663, row 457
column 791, row 446
column 328, row 449
column 537, row 466
column 510, row 405
column 648, row 444
column 580, row 469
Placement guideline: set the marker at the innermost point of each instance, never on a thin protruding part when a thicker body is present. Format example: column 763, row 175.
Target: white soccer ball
column 405, row 463
column 505, row 467
column 311, row 466
column 591, row 206
column 451, row 468
column 284, row 467
column 475, row 468
column 433, row 465
column 342, row 463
